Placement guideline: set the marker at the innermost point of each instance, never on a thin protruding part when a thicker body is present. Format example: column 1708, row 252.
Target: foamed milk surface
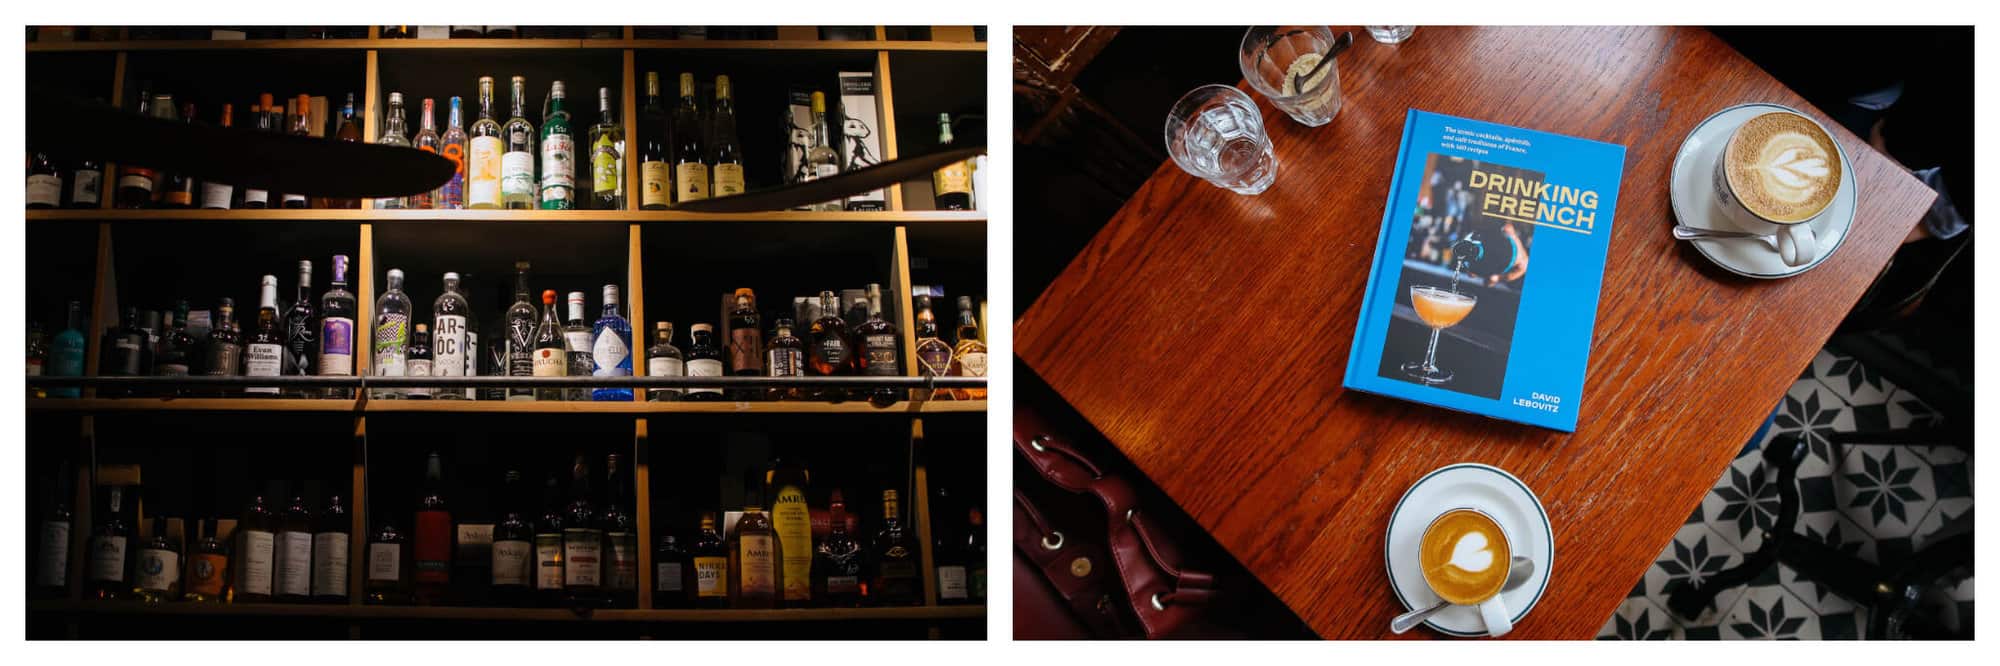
column 1784, row 168
column 1471, row 553
column 1461, row 555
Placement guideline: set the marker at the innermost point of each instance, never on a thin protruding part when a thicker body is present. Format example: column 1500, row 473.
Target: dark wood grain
column 1205, row 333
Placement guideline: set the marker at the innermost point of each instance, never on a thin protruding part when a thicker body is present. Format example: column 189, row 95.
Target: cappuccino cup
column 1779, row 172
column 1465, row 557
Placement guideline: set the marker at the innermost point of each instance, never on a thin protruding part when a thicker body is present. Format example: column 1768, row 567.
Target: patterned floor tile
column 1885, row 490
column 1695, row 555
column 1769, row 613
column 1743, row 504
column 1856, row 384
column 1638, row 620
column 1815, row 412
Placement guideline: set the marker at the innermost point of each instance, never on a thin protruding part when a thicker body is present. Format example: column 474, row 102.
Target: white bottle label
column 667, row 577
column 257, row 562
column 517, row 174
column 624, row 563
column 483, row 172
column 510, row 562
column 107, row 558
column 289, row 198
column 45, row 189
column 263, row 360
column 54, row 571
column 256, row 196
column 973, row 363
column 419, row 368
column 448, row 347
column 951, row 582
column 583, row 558
column 704, row 367
column 295, row 563
column 329, row 578
column 551, row 362
column 660, row 366
column 558, row 168
column 385, row 562
column 609, row 351
column 548, row 562
column 577, row 341
column 158, row 569
column 216, row 195
column 84, row 191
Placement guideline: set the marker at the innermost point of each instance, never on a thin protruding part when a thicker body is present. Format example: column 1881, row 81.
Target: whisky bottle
column 482, row 168
column 294, row 552
column 558, row 185
column 517, row 162
column 430, row 549
column 952, row 185
column 549, row 547
column 576, row 340
column 256, row 549
column 704, row 360
column 726, row 162
column 520, row 341
column 582, row 543
column 109, row 545
column 388, row 562
column 264, row 351
column 156, row 574
column 933, row 354
column 621, row 539
column 301, row 334
column 879, row 354
column 746, row 343
column 611, row 349
column 837, row 561
column 607, row 157
column 513, row 547
column 829, row 352
column 663, row 359
column 419, row 361
column 894, row 556
column 690, row 172
column 785, row 356
column 711, row 566
column 655, row 185
column 968, row 359
column 336, row 333
column 330, row 543
column 208, row 566
column 671, row 573
column 449, row 314
column 785, row 483
column 551, row 350
column 754, row 556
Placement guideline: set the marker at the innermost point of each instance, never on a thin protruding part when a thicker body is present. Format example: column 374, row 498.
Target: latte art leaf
column 1797, row 168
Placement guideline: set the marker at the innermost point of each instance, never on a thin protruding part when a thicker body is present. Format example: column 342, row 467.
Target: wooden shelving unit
column 884, row 233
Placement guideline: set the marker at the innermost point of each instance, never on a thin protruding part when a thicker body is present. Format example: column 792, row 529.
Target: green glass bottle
column 558, row 155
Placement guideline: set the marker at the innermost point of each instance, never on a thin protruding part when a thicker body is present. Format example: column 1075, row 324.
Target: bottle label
column 296, row 198
column 826, row 170
column 951, row 582
column 251, row 196
column 258, row 553
column 84, row 191
column 728, row 179
column 934, row 359
column 418, row 367
column 624, row 568
column 136, row 178
column 710, row 577
column 336, row 349
column 659, row 366
column 223, row 358
column 577, row 341
column 451, row 195
column 54, row 571
column 954, row 178
column 758, row 566
column 690, row 181
column 158, row 569
column 882, row 361
column 392, row 338
column 432, row 547
column 973, row 364
column 704, row 367
column 205, row 574
column 583, row 558
column 448, row 347
column 604, row 163
column 34, row 367
column 793, row 523
column 786, row 363
column 510, row 562
column 667, row 577
column 107, row 558
column 551, row 362
column 263, row 360
column 833, row 350
column 216, row 195
column 329, row 578
column 45, row 189
column 385, row 562
column 653, row 184
column 608, row 354
column 838, row 585
column 483, row 171
column 295, row 551
column 517, row 174
column 746, row 350
column 558, row 169
column 548, row 562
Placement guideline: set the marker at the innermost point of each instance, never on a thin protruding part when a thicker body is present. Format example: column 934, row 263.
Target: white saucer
column 1490, row 490
column 1693, row 195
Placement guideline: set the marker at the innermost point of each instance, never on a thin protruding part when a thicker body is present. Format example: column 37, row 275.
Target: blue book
column 1483, row 294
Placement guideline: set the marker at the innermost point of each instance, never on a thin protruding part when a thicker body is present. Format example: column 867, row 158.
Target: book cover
column 1483, row 293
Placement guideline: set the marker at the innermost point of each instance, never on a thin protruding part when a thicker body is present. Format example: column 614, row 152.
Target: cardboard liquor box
column 860, row 139
column 798, row 133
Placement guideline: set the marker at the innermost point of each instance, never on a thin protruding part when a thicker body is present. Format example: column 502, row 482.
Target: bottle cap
column 701, row 328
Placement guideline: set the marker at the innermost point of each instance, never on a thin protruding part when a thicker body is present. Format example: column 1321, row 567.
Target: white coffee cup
column 1797, row 244
column 1493, row 609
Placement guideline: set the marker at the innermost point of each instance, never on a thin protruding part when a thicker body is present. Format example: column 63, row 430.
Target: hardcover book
column 1483, row 293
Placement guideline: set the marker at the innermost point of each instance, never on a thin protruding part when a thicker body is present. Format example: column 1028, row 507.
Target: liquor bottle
column 264, row 351
column 295, row 551
column 38, row 356
column 517, row 159
column 621, row 539
column 879, row 343
column 947, row 552
column 336, row 332
column 418, row 363
column 329, row 556
column 427, row 140
column 178, row 188
column 968, row 359
column 836, row 567
column 349, row 132
column 127, row 353
column 500, row 32
column 58, row 521
column 672, row 572
column 704, row 359
column 551, row 351
column 452, row 194
column 655, row 185
column 108, row 548
column 260, row 121
column 785, row 356
column 156, row 570
column 582, row 542
column 520, row 341
column 208, row 566
column 746, row 342
column 894, row 558
column 711, row 566
column 448, row 337
column 755, row 554
column 576, row 342
column 933, row 354
column 821, row 160
column 430, row 546
column 44, row 182
column 300, row 126
column 558, row 191
column 482, row 184
column 951, row 185
column 726, row 159
column 301, row 333
column 225, row 345
column 394, row 134
column 497, row 354
column 468, row 31
column 690, row 172
column 513, row 547
column 975, row 556
column 388, row 564
column 785, row 483
column 256, row 549
column 392, row 334
column 218, row 195
column 829, row 354
column 663, row 359
column 66, row 355
column 472, row 350
column 607, row 157
column 549, row 547
column 611, row 348
column 86, row 184
column 175, row 355
column 136, row 183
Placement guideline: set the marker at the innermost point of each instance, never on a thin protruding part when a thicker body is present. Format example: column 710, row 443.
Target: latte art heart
column 1471, row 553
column 1464, row 556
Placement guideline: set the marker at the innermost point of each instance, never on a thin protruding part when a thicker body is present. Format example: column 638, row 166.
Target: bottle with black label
column 295, row 551
column 109, row 548
column 520, row 340
column 513, row 547
column 330, row 554
column 583, row 543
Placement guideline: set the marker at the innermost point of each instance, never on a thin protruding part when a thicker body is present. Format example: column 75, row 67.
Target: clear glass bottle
column 448, row 336
column 520, row 342
column 611, row 348
column 517, row 160
column 392, row 335
column 663, row 359
column 264, row 349
column 576, row 341
column 968, row 358
column 427, row 140
column 482, row 180
column 690, row 171
column 225, row 345
column 704, row 359
column 607, row 157
column 558, row 184
column 156, row 570
column 785, row 356
column 551, row 351
column 301, row 333
column 336, row 331
column 394, row 133
column 821, row 160
column 655, row 185
column 726, row 161
column 454, row 146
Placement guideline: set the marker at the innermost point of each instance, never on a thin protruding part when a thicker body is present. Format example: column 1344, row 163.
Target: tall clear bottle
column 455, row 146
column 482, row 169
column 520, row 342
column 448, row 340
column 607, row 157
column 551, row 355
column 576, row 341
column 427, row 140
column 821, row 160
column 726, row 163
column 690, row 172
column 663, row 359
column 394, row 133
column 392, row 335
column 558, row 190
column 336, row 331
column 517, row 161
column 611, row 349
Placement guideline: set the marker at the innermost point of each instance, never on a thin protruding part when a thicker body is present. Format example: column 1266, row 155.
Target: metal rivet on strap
column 1037, row 442
column 1053, row 541
column 1128, row 514
column 1079, row 567
column 1157, row 604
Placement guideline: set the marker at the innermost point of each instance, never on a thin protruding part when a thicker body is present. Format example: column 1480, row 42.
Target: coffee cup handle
column 1797, row 245
column 1498, row 618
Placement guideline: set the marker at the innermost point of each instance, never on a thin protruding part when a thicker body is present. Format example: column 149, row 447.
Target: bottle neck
column 430, row 119
column 486, row 101
column 519, row 104
column 456, row 118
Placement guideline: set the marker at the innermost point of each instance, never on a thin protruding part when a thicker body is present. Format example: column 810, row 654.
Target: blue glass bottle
column 66, row 355
column 611, row 349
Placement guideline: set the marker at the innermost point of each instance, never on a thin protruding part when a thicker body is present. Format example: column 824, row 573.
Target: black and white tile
column 1872, row 501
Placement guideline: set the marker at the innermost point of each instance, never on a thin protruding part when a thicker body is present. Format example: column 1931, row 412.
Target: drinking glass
column 1215, row 132
column 1440, row 309
column 1391, row 34
column 1273, row 58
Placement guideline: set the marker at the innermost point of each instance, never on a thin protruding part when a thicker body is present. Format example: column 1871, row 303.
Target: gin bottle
column 576, row 341
column 66, row 356
column 611, row 349
column 663, row 359
column 392, row 334
column 448, row 328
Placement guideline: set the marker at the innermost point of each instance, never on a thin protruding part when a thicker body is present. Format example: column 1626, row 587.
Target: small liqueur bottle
column 388, row 563
column 837, row 562
column 746, row 343
column 671, row 574
column 419, row 362
column 754, row 555
column 704, row 359
column 663, row 359
column 711, row 566
column 785, row 356
column 894, row 560
column 330, row 553
column 156, row 574
column 109, row 549
column 300, row 126
column 611, row 349
column 208, row 566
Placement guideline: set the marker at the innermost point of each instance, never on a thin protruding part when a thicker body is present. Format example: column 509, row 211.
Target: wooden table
column 1205, row 333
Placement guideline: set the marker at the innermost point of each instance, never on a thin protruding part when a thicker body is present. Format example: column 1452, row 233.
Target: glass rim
column 1197, row 95
column 1263, row 45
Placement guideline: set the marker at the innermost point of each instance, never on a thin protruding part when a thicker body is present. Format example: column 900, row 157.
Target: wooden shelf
column 190, row 405
column 394, row 216
column 502, row 44
column 333, row 611
column 108, row 405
